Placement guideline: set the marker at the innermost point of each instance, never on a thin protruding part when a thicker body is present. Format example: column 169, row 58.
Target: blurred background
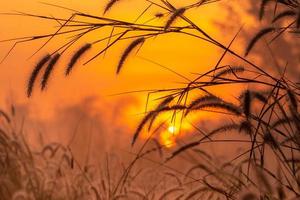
column 86, row 109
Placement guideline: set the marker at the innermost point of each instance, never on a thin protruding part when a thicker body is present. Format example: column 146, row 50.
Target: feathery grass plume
column 168, row 4
column 225, row 128
column 164, row 103
column 5, row 116
column 293, row 99
column 259, row 35
column 169, row 192
column 175, row 177
column 287, row 13
column 195, row 192
column 76, row 57
column 109, row 5
column 141, row 126
column 177, row 13
column 282, row 121
column 270, row 140
column 262, row 9
column 172, row 108
column 35, row 73
column 229, row 70
column 203, row 99
column 198, row 167
column 179, row 197
column 259, row 96
column 159, row 15
column 128, row 50
column 203, row 153
column 249, row 196
column 201, row 2
column 246, row 127
column 216, row 190
column 48, row 70
column 219, row 105
column 247, row 103
column 298, row 17
column 154, row 114
column 182, row 149
column 254, row 95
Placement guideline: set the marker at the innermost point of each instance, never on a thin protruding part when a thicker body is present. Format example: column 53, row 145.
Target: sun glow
column 168, row 137
column 172, row 129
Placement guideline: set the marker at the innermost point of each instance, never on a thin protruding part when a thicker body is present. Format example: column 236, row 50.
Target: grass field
column 227, row 130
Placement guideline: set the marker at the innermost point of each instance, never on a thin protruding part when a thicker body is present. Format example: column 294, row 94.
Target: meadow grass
column 266, row 116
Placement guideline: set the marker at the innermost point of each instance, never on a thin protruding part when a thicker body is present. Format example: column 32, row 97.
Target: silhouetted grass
column 267, row 114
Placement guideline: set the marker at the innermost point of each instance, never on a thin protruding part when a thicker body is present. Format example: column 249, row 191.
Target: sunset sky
column 88, row 91
column 149, row 99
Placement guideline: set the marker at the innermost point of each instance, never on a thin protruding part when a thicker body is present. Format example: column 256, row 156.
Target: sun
column 168, row 137
column 172, row 129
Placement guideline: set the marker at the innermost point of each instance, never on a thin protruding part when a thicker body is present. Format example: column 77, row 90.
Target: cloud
column 283, row 51
column 92, row 125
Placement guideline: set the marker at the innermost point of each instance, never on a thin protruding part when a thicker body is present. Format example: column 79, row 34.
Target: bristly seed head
column 259, row 35
column 109, row 5
column 227, row 71
column 127, row 52
column 76, row 57
column 247, row 103
column 48, row 70
column 35, row 73
column 177, row 13
column 159, row 15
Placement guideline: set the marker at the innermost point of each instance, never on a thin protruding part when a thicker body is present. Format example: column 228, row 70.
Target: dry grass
column 267, row 169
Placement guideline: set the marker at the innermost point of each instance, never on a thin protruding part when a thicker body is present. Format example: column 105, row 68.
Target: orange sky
column 98, row 79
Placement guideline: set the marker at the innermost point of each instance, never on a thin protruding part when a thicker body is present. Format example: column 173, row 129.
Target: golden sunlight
column 168, row 137
column 172, row 129
column 149, row 99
